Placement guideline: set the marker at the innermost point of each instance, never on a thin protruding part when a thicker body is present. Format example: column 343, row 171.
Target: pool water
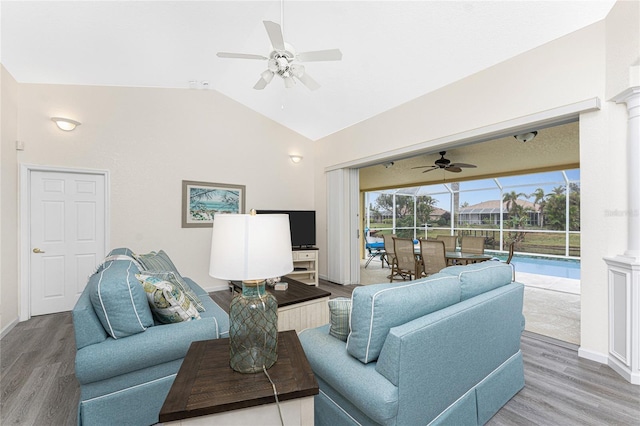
column 546, row 266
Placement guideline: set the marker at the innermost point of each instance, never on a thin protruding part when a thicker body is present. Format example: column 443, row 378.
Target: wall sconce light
column 296, row 158
column 65, row 124
column 526, row 137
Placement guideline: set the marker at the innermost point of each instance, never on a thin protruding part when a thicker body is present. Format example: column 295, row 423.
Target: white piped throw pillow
column 118, row 300
column 339, row 313
column 168, row 303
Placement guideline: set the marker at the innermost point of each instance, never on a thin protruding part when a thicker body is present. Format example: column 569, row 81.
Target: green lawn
column 534, row 242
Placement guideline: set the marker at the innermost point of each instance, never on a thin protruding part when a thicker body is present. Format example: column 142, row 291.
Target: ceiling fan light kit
column 527, row 136
column 282, row 60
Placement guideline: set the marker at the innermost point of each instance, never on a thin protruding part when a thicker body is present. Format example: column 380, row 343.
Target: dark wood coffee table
column 300, row 306
column 207, row 386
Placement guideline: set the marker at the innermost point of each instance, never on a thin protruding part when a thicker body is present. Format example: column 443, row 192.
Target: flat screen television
column 302, row 224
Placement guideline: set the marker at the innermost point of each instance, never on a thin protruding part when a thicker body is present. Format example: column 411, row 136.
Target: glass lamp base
column 253, row 329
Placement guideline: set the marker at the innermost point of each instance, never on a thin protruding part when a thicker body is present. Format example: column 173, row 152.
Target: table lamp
column 251, row 248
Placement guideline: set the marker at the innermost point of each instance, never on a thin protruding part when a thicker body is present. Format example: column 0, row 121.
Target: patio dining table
column 459, row 257
column 463, row 257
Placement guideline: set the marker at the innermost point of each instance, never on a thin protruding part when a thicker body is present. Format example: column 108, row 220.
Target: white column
column 631, row 97
column 624, row 270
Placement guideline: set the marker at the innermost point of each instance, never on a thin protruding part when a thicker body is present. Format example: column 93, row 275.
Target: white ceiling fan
column 283, row 60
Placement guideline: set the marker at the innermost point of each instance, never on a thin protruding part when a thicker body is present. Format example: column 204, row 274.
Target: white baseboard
column 624, row 371
column 9, row 327
column 216, row 288
column 593, row 356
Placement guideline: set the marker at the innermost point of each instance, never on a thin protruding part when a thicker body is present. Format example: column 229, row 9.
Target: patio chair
column 374, row 250
column 513, row 267
column 432, row 257
column 389, row 254
column 450, row 244
column 404, row 264
column 471, row 244
column 511, row 248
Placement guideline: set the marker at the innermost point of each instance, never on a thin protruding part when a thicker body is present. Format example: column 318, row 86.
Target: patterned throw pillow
column 160, row 263
column 167, row 302
column 339, row 311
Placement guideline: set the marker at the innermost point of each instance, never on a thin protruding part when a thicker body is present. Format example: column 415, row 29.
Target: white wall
column 8, row 193
column 568, row 70
column 152, row 139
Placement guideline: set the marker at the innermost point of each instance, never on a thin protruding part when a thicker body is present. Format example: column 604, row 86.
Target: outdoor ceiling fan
column 283, row 60
column 445, row 164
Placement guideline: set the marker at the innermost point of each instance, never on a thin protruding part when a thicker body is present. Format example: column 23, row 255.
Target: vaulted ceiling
column 393, row 51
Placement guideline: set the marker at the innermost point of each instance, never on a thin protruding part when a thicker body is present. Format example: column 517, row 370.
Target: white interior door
column 67, row 224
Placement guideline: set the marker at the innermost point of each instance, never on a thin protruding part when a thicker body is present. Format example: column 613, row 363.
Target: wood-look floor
column 38, row 385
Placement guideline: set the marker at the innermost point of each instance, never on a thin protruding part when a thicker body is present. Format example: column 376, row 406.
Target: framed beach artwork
column 202, row 200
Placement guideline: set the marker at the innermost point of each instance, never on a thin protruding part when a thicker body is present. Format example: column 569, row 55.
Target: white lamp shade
column 250, row 247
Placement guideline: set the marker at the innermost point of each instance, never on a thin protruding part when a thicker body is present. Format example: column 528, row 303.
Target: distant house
column 436, row 214
column 488, row 213
column 380, row 215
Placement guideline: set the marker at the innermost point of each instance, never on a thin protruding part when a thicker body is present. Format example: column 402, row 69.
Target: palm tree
column 539, row 201
column 510, row 200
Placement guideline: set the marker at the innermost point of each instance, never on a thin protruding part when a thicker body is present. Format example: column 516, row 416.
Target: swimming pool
column 546, row 266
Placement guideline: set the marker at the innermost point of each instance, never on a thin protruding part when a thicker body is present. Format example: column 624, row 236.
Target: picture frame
column 201, row 200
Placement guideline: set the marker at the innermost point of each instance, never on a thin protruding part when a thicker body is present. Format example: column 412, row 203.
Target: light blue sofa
column 124, row 380
column 443, row 350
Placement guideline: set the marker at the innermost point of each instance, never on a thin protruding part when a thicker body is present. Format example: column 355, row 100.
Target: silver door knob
column 37, row 250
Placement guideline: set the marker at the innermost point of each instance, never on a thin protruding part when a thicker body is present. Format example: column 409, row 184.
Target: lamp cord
column 275, row 394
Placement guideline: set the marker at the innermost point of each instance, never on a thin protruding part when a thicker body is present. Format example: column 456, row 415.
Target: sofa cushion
column 339, row 313
column 481, row 277
column 168, row 303
column 376, row 308
column 119, row 301
column 347, row 381
column 160, row 262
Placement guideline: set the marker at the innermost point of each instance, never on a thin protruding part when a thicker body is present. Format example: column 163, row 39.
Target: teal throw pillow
column 119, row 301
column 339, row 314
column 159, row 261
column 167, row 301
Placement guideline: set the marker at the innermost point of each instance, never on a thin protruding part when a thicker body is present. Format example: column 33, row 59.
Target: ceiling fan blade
column 473, row 166
column 422, row 167
column 309, row 82
column 239, row 55
column 453, row 169
column 430, row 170
column 299, row 72
column 320, row 55
column 275, row 35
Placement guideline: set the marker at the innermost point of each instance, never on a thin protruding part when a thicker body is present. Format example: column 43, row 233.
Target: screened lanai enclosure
column 539, row 212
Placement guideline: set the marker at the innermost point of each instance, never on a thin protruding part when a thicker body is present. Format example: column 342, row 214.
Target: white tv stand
column 305, row 265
